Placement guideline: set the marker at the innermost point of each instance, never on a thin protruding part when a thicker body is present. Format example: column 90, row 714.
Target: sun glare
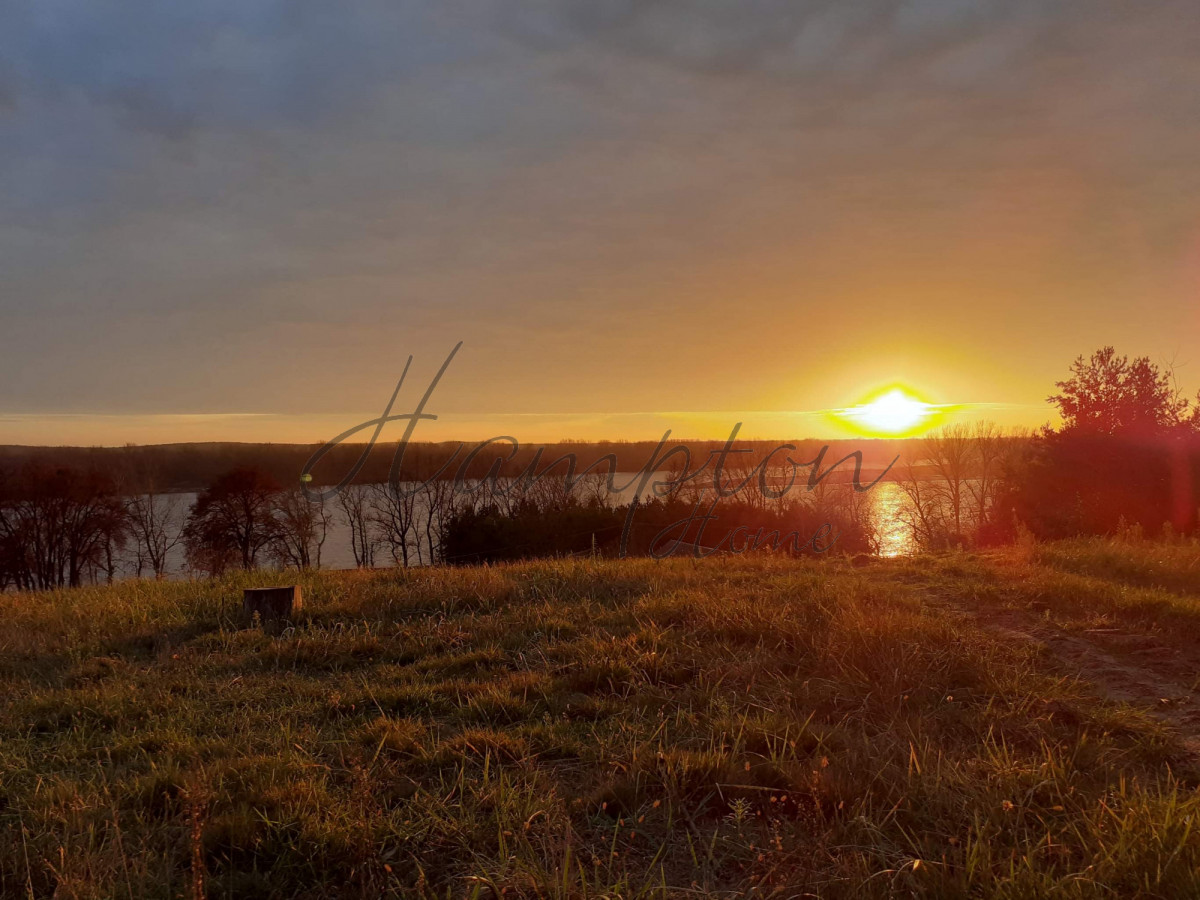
column 894, row 413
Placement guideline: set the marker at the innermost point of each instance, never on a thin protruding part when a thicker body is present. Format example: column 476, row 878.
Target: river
column 887, row 501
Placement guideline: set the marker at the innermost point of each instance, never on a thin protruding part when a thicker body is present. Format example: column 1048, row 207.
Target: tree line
column 1126, row 458
column 62, row 527
column 192, row 467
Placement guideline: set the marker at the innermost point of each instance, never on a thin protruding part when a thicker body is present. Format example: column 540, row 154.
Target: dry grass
column 586, row 728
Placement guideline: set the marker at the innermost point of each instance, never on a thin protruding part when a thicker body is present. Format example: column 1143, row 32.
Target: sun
column 893, row 413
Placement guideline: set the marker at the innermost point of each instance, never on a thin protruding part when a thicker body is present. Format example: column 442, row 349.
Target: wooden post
column 272, row 603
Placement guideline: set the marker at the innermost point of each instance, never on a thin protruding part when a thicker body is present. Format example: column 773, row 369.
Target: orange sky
column 635, row 216
column 531, row 428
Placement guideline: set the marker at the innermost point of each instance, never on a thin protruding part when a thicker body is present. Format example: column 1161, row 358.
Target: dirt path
column 1122, row 667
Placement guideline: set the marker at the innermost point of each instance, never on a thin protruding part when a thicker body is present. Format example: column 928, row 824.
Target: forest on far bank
column 191, row 467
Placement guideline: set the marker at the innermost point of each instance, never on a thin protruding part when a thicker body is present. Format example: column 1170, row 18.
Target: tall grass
column 586, row 728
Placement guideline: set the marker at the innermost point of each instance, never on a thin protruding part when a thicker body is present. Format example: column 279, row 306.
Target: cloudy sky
column 235, row 219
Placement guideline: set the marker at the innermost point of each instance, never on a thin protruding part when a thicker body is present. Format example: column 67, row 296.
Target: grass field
column 1009, row 724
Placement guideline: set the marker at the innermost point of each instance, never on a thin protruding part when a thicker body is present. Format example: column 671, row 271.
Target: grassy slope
column 591, row 727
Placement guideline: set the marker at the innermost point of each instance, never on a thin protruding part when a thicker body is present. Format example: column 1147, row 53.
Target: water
column 336, row 552
column 893, row 534
column 886, row 500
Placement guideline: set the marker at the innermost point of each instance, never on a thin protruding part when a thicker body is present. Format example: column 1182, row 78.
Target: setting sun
column 894, row 413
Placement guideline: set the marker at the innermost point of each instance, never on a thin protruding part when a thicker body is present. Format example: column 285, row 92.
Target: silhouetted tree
column 954, row 482
column 152, row 514
column 357, row 512
column 1108, row 394
column 301, row 526
column 58, row 525
column 394, row 518
column 232, row 521
column 437, row 506
column 1128, row 453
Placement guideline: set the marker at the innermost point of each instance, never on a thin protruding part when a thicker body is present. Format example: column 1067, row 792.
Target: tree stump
column 272, row 604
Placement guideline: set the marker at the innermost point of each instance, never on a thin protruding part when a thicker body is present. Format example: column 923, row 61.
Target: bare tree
column 990, row 450
column 232, row 521
column 548, row 492
column 153, row 517
column 833, row 501
column 394, row 514
column 594, row 488
column 301, row 528
column 955, row 482
column 924, row 513
column 357, row 511
column 950, row 454
column 59, row 526
column 673, row 482
column 436, row 510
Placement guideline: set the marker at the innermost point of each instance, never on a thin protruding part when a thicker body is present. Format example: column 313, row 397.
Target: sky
column 237, row 219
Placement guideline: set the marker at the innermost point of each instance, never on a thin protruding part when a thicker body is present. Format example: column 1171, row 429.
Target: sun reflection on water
column 892, row 534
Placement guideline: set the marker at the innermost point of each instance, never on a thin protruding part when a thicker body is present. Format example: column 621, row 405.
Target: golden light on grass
column 892, row 412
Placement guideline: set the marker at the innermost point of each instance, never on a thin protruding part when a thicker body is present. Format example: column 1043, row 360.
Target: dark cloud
column 223, row 64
